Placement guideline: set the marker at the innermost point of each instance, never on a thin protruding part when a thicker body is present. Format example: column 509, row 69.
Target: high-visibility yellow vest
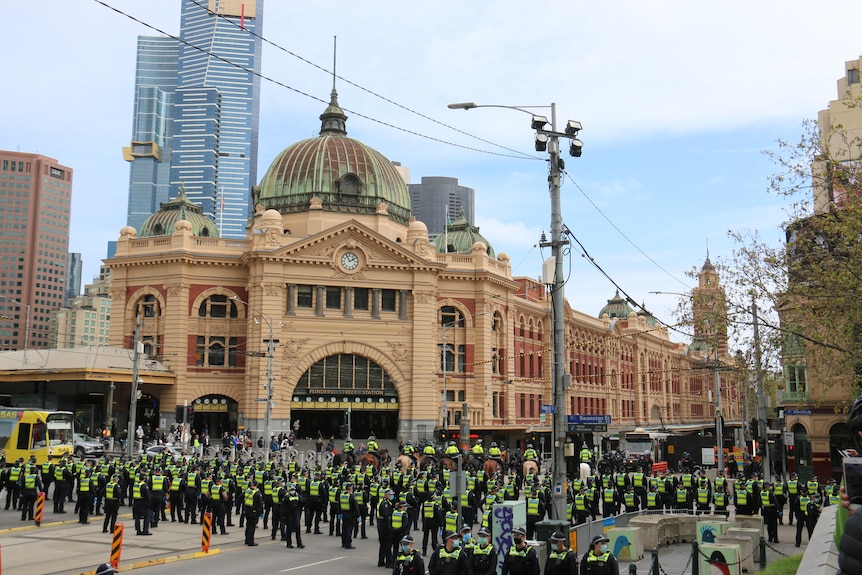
column 720, row 499
column 176, row 482
column 397, row 519
column 764, row 498
column 603, row 558
column 652, row 499
column 702, row 495
column 137, row 490
column 428, row 509
column 344, row 502
column 608, row 494
column 30, row 481
column 215, row 492
column 84, row 485
column 580, row 502
column 793, row 487
column 532, row 506
column 779, row 489
column 314, row 490
column 451, row 521
column 803, row 504
column 741, row 497
column 249, row 496
column 109, row 490
column 158, row 483
column 681, row 495
column 630, row 499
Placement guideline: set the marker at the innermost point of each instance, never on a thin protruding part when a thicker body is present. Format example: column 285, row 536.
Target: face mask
column 456, row 543
column 604, row 548
column 467, row 537
column 482, row 540
column 518, row 540
column 405, row 548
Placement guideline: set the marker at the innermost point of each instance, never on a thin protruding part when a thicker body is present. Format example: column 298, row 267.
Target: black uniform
column 252, row 508
column 521, row 561
column 349, row 511
column 482, row 560
column 409, row 563
column 604, row 564
column 563, row 562
column 445, row 562
column 384, row 532
column 291, row 510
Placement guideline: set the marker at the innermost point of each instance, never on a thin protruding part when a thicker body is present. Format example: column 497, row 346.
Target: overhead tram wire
column 520, row 156
column 634, row 245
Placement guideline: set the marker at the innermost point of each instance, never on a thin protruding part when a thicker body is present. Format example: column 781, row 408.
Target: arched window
column 148, row 306
column 218, row 306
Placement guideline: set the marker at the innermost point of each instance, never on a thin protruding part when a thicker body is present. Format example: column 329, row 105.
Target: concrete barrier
column 746, row 548
column 821, row 555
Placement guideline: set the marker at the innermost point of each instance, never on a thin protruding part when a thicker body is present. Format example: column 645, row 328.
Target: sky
column 678, row 100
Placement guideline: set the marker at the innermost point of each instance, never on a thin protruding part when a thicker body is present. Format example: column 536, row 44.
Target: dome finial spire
column 333, row 120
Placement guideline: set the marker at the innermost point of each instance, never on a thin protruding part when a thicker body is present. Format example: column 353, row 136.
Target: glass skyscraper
column 197, row 114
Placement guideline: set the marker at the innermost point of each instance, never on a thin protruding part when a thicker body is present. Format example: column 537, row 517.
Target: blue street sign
column 549, row 408
column 594, row 419
column 797, row 412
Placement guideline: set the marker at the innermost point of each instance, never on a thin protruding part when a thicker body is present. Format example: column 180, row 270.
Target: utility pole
column 549, row 140
column 762, row 423
column 131, row 438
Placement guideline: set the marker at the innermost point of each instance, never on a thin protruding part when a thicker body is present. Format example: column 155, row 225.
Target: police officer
column 449, row 558
column 408, row 561
column 494, row 452
column 113, row 494
column 535, row 512
column 478, row 450
column 530, row 453
column 372, row 444
column 452, row 450
column 482, row 557
column 384, row 529
column 252, row 508
column 349, row 511
column 218, row 500
column 30, row 484
column 793, row 485
column 521, row 558
column 279, row 519
column 598, row 560
column 177, row 489
column 400, row 524
column 430, row 523
column 193, row 487
column 291, row 510
column 769, row 510
column 561, row 560
column 86, row 488
column 141, row 505
column 62, row 480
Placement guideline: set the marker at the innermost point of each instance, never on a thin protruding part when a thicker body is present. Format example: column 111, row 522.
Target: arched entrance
column 840, row 438
column 800, row 461
column 345, row 388
column 215, row 415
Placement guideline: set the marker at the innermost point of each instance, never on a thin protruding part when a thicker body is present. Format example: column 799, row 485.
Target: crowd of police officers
column 288, row 496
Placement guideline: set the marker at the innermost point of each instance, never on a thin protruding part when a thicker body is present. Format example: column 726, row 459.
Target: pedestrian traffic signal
column 180, row 412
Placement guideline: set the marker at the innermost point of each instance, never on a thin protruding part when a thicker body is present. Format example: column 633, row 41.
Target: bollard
column 117, row 545
column 654, row 568
column 695, row 560
column 206, row 531
column 40, row 509
column 762, row 553
column 633, row 569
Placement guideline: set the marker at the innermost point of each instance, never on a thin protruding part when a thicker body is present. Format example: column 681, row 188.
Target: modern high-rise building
column 152, row 128
column 440, row 200
column 86, row 317
column 197, row 114
column 35, row 201
column 74, row 269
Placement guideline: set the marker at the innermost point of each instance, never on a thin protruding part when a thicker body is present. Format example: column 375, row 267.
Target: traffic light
column 179, row 413
column 789, row 450
column 754, row 427
column 441, row 436
column 533, row 439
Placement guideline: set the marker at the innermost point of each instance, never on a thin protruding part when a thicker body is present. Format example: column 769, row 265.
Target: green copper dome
column 459, row 238
column 617, row 306
column 163, row 222
column 344, row 174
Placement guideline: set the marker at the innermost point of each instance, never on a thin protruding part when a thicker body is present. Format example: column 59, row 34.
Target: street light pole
column 550, row 140
column 267, row 418
column 131, row 437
